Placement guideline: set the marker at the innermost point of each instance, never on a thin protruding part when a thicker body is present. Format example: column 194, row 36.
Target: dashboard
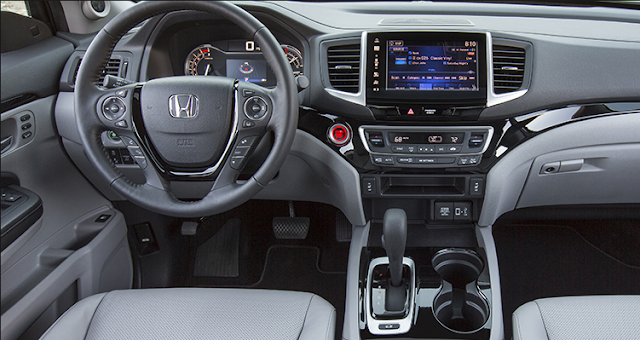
column 410, row 90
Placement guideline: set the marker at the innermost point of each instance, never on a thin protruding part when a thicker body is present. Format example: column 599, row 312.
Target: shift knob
column 394, row 240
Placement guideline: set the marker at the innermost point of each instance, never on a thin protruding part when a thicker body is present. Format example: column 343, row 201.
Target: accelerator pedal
column 292, row 227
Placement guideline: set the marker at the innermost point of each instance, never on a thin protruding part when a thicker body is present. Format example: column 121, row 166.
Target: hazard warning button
column 410, row 110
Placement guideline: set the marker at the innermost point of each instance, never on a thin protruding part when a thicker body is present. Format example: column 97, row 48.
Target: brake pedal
column 292, row 227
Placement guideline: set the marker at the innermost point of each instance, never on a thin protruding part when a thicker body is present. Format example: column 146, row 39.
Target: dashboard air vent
column 508, row 68
column 344, row 67
column 112, row 68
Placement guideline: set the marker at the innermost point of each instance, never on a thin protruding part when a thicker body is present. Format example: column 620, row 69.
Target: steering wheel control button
column 248, row 123
column 339, row 134
column 236, row 162
column 121, row 123
column 241, row 151
column 142, row 161
column 247, row 141
column 129, row 142
column 113, row 108
column 247, row 93
column 114, row 154
column 126, row 157
column 255, row 108
column 121, row 93
column 135, row 151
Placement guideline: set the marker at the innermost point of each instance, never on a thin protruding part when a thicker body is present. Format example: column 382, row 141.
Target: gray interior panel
column 485, row 240
column 506, row 180
column 315, row 173
column 89, row 254
column 589, row 175
column 43, row 167
column 353, row 300
column 49, row 265
column 32, row 63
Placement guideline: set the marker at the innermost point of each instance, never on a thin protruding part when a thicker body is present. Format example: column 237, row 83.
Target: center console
column 422, row 268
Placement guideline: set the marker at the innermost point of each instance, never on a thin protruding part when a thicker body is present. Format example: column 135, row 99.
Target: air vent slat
column 508, row 68
column 112, row 68
column 344, row 67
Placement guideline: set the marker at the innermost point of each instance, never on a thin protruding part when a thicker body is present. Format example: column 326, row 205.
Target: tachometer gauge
column 200, row 61
column 295, row 58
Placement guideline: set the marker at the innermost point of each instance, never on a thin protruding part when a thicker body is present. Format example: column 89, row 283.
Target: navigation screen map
column 428, row 66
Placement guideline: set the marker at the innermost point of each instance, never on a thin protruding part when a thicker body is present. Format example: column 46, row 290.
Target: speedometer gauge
column 200, row 61
column 295, row 58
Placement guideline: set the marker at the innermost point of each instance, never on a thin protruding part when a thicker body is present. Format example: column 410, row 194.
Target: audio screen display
column 432, row 65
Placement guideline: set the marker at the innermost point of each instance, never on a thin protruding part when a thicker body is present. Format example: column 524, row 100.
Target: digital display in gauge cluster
column 239, row 59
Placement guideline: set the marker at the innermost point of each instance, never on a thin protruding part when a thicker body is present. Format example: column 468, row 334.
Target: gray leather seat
column 197, row 313
column 579, row 317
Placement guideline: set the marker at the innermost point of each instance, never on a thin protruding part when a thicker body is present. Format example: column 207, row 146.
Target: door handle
column 6, row 143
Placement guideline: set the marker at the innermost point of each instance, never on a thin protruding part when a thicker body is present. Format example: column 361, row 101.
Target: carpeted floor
column 566, row 258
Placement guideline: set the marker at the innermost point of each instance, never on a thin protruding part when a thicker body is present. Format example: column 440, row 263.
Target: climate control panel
column 425, row 146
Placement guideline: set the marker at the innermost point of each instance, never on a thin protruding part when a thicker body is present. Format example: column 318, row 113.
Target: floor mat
column 553, row 260
column 219, row 255
column 297, row 268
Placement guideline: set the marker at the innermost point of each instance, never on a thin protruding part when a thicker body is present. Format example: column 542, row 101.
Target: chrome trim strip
column 493, row 98
column 359, row 97
column 405, row 323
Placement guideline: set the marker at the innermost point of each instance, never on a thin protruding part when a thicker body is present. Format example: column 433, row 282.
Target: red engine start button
column 339, row 134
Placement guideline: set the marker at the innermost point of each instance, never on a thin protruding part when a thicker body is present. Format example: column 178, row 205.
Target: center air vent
column 508, row 68
column 344, row 67
column 112, row 68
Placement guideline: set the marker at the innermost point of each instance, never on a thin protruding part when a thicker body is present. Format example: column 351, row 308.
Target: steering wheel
column 186, row 128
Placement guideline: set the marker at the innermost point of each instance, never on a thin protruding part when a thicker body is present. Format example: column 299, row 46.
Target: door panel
column 78, row 246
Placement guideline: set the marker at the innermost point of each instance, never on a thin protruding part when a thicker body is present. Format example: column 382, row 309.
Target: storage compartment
column 422, row 185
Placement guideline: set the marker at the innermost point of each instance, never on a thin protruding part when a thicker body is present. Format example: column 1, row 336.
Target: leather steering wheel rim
column 282, row 122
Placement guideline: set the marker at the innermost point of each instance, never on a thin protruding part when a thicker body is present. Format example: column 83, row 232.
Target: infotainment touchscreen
column 432, row 66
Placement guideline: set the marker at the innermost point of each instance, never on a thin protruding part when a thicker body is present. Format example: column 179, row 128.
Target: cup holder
column 459, row 306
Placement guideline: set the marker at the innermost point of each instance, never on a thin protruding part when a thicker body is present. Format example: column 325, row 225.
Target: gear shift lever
column 394, row 239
